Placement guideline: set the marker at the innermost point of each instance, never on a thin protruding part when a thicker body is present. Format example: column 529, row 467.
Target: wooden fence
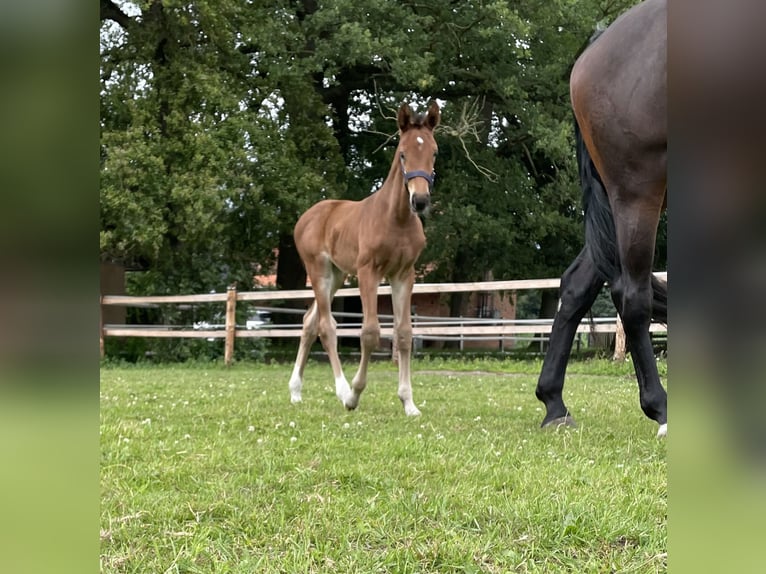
column 434, row 328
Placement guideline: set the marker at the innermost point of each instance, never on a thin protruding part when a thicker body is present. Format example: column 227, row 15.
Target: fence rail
column 433, row 328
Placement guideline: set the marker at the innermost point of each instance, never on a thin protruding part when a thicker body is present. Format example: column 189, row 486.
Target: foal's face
column 417, row 155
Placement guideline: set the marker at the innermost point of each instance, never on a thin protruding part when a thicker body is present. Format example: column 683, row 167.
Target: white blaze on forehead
column 420, row 140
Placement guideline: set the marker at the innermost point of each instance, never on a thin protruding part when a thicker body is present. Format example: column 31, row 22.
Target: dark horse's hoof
column 565, row 421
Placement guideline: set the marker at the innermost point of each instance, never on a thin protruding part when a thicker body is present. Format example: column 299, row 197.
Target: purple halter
column 408, row 175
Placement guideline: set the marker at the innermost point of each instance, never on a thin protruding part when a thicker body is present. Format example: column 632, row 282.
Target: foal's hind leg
column 308, row 336
column 325, row 290
column 325, row 280
column 580, row 285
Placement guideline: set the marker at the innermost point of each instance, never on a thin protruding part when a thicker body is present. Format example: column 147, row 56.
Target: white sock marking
column 295, row 386
column 342, row 389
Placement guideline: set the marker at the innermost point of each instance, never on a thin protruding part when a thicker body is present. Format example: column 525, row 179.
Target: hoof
column 413, row 411
column 343, row 391
column 565, row 421
column 350, row 401
column 295, row 387
column 663, row 431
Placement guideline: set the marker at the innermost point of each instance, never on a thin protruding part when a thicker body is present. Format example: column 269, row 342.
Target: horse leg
column 401, row 296
column 395, row 344
column 630, row 297
column 370, row 336
column 308, row 336
column 580, row 285
column 328, row 335
column 632, row 294
column 325, row 280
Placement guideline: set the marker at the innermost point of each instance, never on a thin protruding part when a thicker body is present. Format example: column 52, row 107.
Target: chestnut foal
column 378, row 237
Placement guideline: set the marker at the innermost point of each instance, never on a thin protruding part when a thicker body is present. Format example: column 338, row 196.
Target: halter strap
column 408, row 175
column 429, row 177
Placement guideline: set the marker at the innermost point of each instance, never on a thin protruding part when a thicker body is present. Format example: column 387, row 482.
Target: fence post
column 619, row 341
column 101, row 325
column 231, row 324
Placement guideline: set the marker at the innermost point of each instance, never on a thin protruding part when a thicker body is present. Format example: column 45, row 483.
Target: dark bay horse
column 618, row 89
column 378, row 237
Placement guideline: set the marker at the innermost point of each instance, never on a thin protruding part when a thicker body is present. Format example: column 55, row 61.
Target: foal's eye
column 401, row 155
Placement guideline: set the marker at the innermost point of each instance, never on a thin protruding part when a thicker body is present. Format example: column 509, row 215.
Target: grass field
column 211, row 469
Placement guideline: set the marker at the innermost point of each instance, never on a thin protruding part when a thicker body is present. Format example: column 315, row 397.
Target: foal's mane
column 419, row 120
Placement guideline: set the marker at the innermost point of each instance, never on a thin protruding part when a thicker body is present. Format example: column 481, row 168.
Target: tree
column 176, row 151
column 223, row 121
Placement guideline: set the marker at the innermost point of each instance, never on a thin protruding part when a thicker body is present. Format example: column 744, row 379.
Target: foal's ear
column 434, row 115
column 404, row 117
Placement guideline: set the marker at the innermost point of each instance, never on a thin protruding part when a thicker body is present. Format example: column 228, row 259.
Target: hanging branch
column 389, row 137
column 468, row 126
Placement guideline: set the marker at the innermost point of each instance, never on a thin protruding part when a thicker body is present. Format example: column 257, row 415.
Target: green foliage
column 222, row 122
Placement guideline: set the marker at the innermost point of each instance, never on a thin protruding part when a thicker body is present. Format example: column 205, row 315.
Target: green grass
column 211, row 469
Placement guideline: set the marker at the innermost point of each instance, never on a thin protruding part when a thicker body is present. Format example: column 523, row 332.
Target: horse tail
column 659, row 301
column 600, row 234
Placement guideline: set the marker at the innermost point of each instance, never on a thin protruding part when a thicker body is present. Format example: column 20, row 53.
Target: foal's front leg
column 401, row 296
column 370, row 336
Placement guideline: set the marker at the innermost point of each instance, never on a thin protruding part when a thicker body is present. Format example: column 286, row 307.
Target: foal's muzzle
column 420, row 199
column 420, row 202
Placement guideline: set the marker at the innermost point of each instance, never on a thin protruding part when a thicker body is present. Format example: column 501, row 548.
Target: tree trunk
column 338, row 101
column 290, row 271
column 290, row 275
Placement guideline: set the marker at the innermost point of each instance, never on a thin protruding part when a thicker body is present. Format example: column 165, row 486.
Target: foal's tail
column 600, row 234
